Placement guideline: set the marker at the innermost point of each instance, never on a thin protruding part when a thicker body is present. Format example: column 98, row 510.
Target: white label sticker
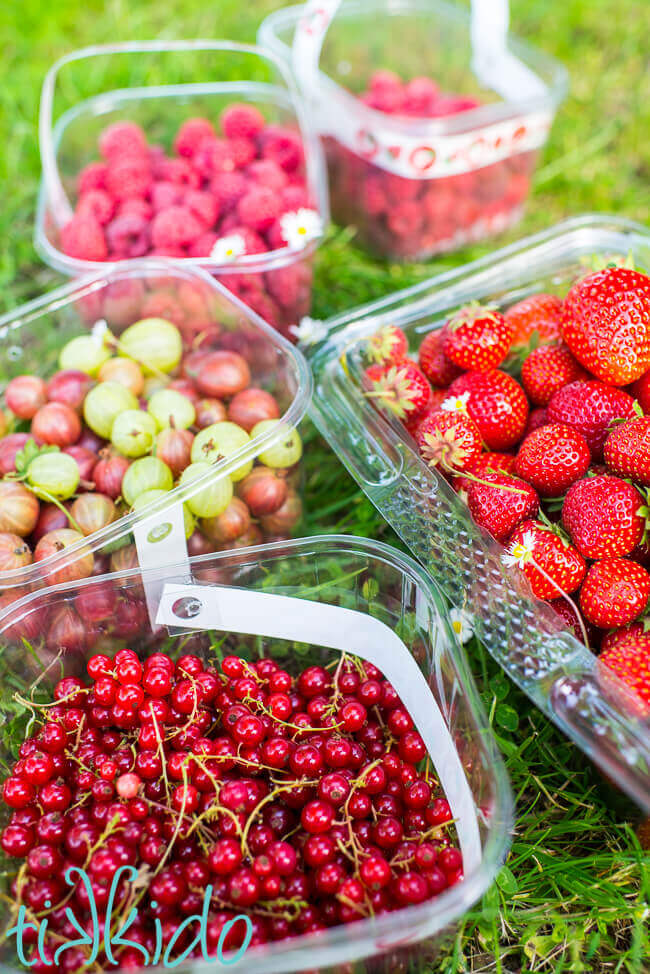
column 282, row 617
column 160, row 540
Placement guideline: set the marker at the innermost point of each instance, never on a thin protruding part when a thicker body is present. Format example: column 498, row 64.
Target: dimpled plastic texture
column 558, row 673
column 32, row 336
column 160, row 85
column 354, row 573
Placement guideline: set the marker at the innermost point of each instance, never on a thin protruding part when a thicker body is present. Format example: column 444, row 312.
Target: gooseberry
column 284, row 520
column 80, row 565
column 109, row 473
column 14, row 552
column 171, row 408
column 53, row 474
column 262, row 491
column 213, row 499
column 92, row 512
column 124, row 371
column 25, row 395
column 174, row 447
column 209, row 411
column 86, row 353
column 147, row 473
column 18, row 508
column 154, row 343
column 219, row 441
column 285, row 448
column 149, row 497
column 56, row 424
column 70, row 387
column 104, row 403
column 230, row 525
column 222, row 374
column 133, row 432
column 252, row 406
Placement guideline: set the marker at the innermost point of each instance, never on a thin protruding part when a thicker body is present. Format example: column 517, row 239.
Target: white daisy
column 227, row 249
column 309, row 331
column 300, row 227
column 520, row 552
column 455, row 403
column 462, row 622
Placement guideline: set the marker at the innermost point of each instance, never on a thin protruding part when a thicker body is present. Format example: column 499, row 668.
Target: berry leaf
column 29, row 453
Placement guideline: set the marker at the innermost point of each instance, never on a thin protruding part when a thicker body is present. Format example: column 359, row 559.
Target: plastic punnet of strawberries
column 124, row 420
column 181, row 788
column 223, row 194
column 539, row 416
column 411, row 218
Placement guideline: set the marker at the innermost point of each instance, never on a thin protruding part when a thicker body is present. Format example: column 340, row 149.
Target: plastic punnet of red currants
column 305, row 802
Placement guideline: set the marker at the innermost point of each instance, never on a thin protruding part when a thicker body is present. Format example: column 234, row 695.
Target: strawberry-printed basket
column 490, row 595
column 193, row 150
column 432, row 118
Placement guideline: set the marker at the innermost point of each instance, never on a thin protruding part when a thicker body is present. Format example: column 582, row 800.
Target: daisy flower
column 462, row 622
column 455, row 403
column 520, row 552
column 300, row 227
column 227, row 249
column 309, row 331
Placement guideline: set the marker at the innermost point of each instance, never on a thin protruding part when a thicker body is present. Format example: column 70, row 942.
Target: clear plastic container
column 417, row 186
column 32, row 336
column 525, row 636
column 360, row 587
column 159, row 85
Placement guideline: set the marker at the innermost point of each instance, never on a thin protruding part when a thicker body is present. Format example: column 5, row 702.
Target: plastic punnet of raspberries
column 304, row 802
column 236, row 175
column 577, row 445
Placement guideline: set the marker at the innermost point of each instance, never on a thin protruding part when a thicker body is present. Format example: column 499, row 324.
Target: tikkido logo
column 101, row 935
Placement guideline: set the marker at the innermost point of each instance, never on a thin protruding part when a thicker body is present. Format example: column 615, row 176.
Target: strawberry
column 546, row 370
column 400, row 389
column 614, row 592
column 627, row 653
column 439, row 370
column 641, row 391
column 414, row 422
column 497, row 404
column 485, row 463
column 537, row 315
column 449, row 440
column 552, row 458
column 570, row 615
column 590, row 408
column 388, row 346
column 606, row 324
column 550, row 563
column 537, row 418
column 604, row 516
column 500, row 502
column 627, row 449
column 477, row 337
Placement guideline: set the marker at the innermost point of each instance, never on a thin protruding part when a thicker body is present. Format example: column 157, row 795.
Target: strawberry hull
column 527, row 637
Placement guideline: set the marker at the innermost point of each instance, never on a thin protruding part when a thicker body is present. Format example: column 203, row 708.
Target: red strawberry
column 388, row 346
column 570, row 615
column 641, row 391
column 614, row 592
column 606, row 324
column 414, row 422
column 497, row 404
column 603, row 516
column 537, row 418
column 500, row 503
column 439, row 370
column 546, row 370
column 552, row 458
column 627, row 653
column 627, row 449
column 477, row 338
column 400, row 389
column 590, row 408
column 550, row 563
column 485, row 463
column 449, row 440
column 539, row 314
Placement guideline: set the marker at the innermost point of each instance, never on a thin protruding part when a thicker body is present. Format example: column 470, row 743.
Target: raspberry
column 122, row 139
column 243, row 151
column 420, row 96
column 284, row 146
column 138, row 206
column 165, row 194
column 175, row 227
column 83, row 238
column 203, row 205
column 284, row 285
column 167, row 251
column 400, row 189
column 191, row 134
column 252, row 241
column 213, row 156
column 295, row 198
column 128, row 177
column 241, row 121
column 405, row 219
column 92, row 176
column 121, row 302
column 97, row 203
column 128, row 236
column 258, row 208
column 267, row 173
column 179, row 171
column 203, row 245
column 228, row 188
column 373, row 197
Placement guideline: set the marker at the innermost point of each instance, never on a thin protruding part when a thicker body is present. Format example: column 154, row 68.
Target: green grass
column 575, row 895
